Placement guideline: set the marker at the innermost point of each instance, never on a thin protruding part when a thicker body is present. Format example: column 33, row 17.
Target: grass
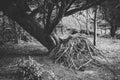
column 111, row 47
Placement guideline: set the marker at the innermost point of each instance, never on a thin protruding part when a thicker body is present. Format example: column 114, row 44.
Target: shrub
column 32, row 70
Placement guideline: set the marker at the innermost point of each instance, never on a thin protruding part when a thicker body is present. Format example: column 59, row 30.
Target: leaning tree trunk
column 31, row 26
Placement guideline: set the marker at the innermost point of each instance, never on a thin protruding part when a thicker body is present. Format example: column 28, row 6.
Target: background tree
column 111, row 13
column 40, row 17
column 83, row 18
column 95, row 25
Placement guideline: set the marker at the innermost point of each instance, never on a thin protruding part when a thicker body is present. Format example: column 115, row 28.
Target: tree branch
column 57, row 19
column 30, row 25
column 85, row 6
column 50, row 10
column 40, row 9
column 72, row 1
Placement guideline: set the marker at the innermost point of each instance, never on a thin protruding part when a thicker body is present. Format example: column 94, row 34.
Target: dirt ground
column 110, row 47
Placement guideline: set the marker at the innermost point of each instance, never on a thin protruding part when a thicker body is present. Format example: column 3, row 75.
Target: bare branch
column 71, row 2
column 50, row 10
column 85, row 6
column 57, row 18
column 40, row 9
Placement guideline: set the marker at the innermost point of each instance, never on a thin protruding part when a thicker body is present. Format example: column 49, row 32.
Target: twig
column 89, row 49
column 61, row 55
column 85, row 64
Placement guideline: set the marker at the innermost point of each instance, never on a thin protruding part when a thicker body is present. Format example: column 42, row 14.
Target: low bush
column 30, row 69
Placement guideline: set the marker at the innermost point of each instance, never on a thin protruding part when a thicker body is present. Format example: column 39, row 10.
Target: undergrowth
column 76, row 53
column 30, row 69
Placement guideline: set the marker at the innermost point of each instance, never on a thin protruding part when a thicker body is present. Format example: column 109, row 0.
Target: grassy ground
column 111, row 47
column 8, row 63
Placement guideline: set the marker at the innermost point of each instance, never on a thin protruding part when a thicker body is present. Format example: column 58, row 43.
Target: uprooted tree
column 40, row 17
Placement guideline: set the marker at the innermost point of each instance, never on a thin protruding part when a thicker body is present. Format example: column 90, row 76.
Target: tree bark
column 87, row 27
column 30, row 25
column 17, row 12
column 95, row 26
column 113, row 27
column 113, row 30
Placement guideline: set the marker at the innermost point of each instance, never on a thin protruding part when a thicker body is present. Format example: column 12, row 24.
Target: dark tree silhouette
column 42, row 19
column 111, row 12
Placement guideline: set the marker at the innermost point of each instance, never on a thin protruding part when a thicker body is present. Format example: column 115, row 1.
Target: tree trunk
column 87, row 27
column 113, row 30
column 95, row 26
column 31, row 26
column 101, row 30
column 105, row 30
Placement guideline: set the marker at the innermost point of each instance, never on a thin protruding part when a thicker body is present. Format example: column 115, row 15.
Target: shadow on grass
column 4, row 53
